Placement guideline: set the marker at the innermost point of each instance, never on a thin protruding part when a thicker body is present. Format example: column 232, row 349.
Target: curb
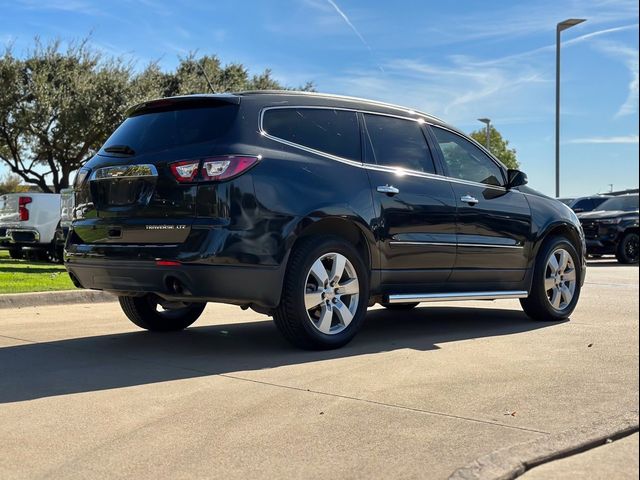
column 511, row 462
column 39, row 299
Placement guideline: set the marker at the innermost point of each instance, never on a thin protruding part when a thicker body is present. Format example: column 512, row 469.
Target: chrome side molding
column 450, row 297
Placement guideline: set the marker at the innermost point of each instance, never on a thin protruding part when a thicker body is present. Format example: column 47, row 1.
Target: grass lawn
column 17, row 276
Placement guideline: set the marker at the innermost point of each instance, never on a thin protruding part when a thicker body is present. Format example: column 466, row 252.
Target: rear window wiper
column 123, row 149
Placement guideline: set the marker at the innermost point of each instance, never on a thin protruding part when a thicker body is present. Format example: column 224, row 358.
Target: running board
column 449, row 297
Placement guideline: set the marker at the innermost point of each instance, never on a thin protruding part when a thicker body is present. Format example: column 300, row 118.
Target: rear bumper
column 16, row 236
column 239, row 285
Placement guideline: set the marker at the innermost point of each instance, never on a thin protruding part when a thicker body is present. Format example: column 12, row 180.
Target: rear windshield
column 161, row 130
column 626, row 203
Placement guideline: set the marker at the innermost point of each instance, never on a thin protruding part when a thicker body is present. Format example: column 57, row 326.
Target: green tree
column 57, row 107
column 206, row 73
column 498, row 146
column 11, row 184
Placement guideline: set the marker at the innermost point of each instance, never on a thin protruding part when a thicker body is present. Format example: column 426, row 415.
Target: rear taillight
column 224, row 168
column 185, row 171
column 213, row 169
column 23, row 211
column 81, row 176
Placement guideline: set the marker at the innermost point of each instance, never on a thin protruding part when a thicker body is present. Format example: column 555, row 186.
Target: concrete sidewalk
column 617, row 460
column 84, row 393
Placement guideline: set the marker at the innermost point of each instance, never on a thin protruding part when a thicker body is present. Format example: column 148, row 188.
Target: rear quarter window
column 162, row 130
column 335, row 132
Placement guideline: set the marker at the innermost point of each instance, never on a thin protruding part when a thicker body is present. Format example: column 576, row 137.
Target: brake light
column 23, row 211
column 224, row 168
column 213, row 168
column 167, row 263
column 185, row 171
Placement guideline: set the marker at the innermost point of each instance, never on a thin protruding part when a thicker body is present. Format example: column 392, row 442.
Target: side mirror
column 516, row 178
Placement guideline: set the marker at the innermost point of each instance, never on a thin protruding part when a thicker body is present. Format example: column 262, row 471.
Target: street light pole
column 559, row 28
column 487, row 122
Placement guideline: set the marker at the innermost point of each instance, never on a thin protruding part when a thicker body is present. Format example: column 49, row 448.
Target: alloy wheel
column 332, row 293
column 560, row 279
column 631, row 249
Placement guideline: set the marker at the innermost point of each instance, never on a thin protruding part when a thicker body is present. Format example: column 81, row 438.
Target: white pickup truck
column 28, row 222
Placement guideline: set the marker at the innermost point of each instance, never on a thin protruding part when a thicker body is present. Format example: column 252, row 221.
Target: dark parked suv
column 310, row 208
column 613, row 229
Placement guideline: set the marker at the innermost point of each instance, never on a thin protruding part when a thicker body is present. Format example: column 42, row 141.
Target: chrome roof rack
column 341, row 97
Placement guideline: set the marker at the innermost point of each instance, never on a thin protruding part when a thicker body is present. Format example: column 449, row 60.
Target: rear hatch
column 131, row 192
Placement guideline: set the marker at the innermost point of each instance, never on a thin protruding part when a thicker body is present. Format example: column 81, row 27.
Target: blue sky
column 459, row 60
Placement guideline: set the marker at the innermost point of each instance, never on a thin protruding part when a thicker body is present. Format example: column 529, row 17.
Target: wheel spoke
column 553, row 264
column 343, row 312
column 326, row 315
column 337, row 269
column 319, row 272
column 312, row 299
column 564, row 260
column 549, row 283
column 566, row 294
column 570, row 276
column 350, row 287
column 556, row 297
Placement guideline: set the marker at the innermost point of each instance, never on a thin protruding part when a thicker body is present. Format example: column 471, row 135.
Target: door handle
column 388, row 189
column 469, row 199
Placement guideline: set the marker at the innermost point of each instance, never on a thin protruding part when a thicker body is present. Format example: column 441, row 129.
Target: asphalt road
column 84, row 393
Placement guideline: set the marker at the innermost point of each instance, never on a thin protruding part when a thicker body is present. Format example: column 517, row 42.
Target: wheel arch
column 350, row 229
column 562, row 229
column 568, row 231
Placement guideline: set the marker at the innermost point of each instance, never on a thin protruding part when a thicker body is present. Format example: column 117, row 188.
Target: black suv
column 613, row 229
column 588, row 204
column 310, row 208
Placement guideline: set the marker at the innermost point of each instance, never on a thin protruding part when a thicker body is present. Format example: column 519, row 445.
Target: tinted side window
column 398, row 143
column 584, row 205
column 466, row 161
column 331, row 131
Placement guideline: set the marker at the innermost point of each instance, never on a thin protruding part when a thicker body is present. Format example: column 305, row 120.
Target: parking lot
column 83, row 393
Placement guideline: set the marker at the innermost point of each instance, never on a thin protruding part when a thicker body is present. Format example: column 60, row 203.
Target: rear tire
column 16, row 253
column 554, row 291
column 145, row 313
column 400, row 306
column 627, row 251
column 325, row 294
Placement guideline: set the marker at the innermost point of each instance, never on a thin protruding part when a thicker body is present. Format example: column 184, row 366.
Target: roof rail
column 341, row 97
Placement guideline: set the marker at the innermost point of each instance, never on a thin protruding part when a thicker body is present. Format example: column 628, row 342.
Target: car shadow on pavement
column 38, row 370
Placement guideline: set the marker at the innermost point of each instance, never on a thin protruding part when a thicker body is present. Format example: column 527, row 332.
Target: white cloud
column 629, row 56
column 621, row 139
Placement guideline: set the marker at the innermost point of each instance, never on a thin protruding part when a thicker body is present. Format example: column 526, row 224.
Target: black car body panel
column 230, row 240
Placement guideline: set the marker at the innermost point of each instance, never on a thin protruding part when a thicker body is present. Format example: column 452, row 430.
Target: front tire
column 146, row 312
column 325, row 294
column 556, row 282
column 627, row 251
column 16, row 253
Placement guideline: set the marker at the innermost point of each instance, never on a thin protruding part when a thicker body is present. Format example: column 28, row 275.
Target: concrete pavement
column 85, row 393
column 602, row 463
